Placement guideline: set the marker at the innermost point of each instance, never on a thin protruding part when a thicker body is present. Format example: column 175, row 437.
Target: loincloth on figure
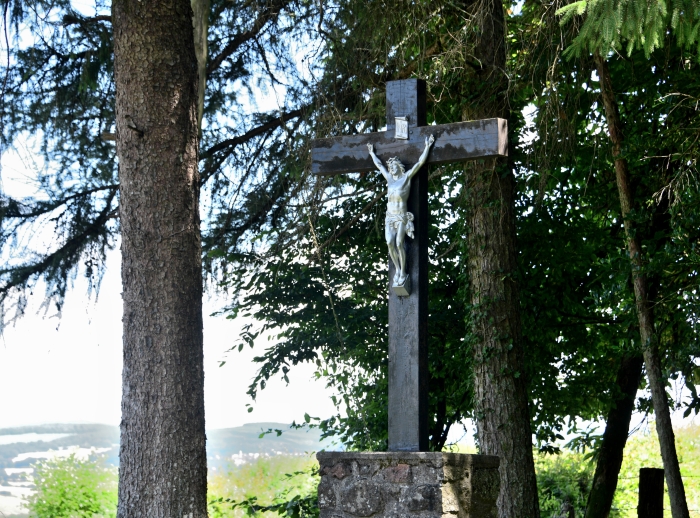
column 393, row 220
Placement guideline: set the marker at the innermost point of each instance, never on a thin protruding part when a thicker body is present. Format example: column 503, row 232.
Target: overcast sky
column 68, row 370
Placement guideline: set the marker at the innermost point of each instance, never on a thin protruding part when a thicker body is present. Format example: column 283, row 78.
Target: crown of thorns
column 393, row 161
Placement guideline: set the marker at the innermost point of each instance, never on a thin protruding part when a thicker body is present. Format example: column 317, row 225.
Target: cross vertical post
column 408, row 316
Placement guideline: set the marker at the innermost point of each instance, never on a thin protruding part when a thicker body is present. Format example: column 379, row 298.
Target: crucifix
column 408, row 140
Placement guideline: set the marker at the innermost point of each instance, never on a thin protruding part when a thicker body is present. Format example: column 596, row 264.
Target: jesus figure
column 399, row 222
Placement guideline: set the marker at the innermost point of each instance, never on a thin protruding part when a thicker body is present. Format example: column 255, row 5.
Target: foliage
column 579, row 315
column 563, row 480
column 566, row 477
column 79, row 203
column 332, row 310
column 68, row 487
column 57, row 99
column 295, row 507
column 612, row 25
column 279, row 485
column 642, row 451
column 317, row 287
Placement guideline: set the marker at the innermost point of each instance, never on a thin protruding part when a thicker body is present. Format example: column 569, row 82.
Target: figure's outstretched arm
column 378, row 162
column 423, row 157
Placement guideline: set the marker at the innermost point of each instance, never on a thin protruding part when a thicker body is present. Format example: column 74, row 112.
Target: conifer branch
column 63, row 258
column 269, row 13
column 71, row 19
column 257, row 131
column 12, row 209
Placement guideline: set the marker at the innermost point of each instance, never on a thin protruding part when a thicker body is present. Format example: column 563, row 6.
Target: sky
column 68, row 369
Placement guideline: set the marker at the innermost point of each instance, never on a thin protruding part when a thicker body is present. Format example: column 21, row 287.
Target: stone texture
column 361, row 497
column 399, row 474
column 326, row 494
column 407, row 484
column 339, row 470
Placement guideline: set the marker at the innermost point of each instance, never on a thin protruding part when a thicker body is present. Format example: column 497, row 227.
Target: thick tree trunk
column 500, row 392
column 652, row 361
column 162, row 469
column 614, row 439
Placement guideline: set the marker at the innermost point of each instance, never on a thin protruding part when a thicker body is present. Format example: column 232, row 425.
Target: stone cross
column 408, row 315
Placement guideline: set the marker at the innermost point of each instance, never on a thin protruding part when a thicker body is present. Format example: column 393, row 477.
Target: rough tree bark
column 614, row 439
column 652, row 360
column 162, row 469
column 500, row 392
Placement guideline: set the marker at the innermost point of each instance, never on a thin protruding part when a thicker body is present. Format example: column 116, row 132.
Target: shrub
column 72, row 488
column 563, row 481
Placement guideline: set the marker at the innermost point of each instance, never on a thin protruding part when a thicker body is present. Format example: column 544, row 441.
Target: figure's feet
column 402, row 285
column 400, row 280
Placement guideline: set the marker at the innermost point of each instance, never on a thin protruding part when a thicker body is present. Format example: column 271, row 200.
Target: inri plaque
column 401, row 128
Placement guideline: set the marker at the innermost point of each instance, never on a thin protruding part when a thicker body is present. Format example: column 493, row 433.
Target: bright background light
column 68, row 370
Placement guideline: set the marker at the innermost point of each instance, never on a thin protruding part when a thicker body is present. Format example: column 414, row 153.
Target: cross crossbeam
column 408, row 313
column 453, row 143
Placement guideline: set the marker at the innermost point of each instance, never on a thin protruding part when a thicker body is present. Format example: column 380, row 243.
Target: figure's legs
column 401, row 250
column 390, row 235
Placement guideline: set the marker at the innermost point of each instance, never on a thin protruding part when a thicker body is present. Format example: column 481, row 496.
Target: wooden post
column 408, row 316
column 651, row 493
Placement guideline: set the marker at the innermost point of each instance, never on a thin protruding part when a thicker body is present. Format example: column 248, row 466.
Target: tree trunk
column 162, row 468
column 500, row 392
column 614, row 439
column 652, row 361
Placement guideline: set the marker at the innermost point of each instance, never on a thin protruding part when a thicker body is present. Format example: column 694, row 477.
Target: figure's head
column 396, row 168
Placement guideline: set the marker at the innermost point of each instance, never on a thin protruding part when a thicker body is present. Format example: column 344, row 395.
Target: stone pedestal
column 407, row 484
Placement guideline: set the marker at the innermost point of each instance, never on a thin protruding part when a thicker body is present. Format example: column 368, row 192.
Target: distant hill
column 221, row 444
column 82, row 435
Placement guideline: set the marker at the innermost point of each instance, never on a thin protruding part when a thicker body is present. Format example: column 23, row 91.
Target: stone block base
column 407, row 484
